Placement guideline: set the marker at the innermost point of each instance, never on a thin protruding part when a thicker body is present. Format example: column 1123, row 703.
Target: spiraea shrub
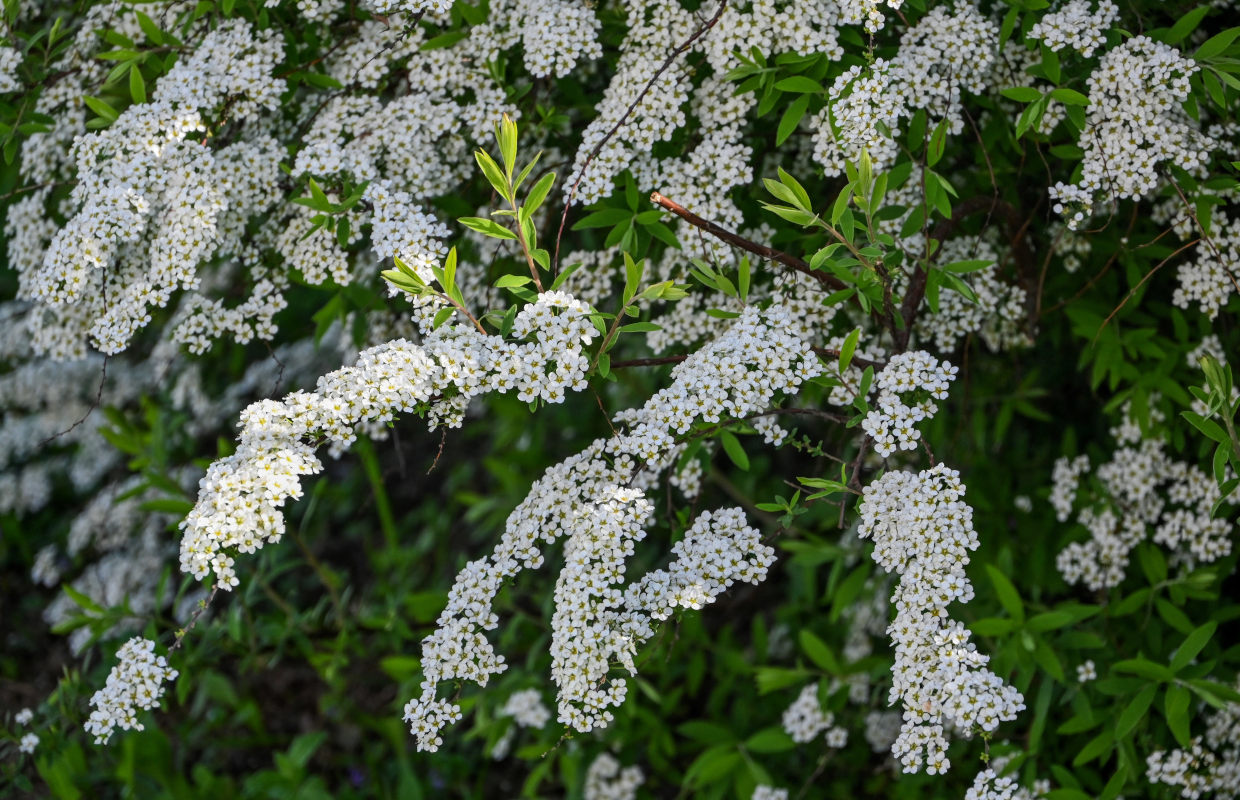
column 620, row 399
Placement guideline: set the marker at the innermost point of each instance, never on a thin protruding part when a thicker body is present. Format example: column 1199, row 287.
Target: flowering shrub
column 332, row 327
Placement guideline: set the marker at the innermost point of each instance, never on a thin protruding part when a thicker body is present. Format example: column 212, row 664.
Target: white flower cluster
column 805, row 720
column 1142, row 494
column 1076, row 25
column 589, row 500
column 29, row 741
column 891, row 423
column 555, row 34
column 998, row 314
column 149, row 199
column 923, row 532
column 239, row 500
column 718, row 550
column 1065, row 478
column 869, row 12
column 1086, row 671
column 1212, row 765
column 944, row 54
column 136, row 682
column 526, row 709
column 1135, row 124
column 10, row 60
column 987, row 785
column 606, row 780
column 1209, row 279
column 764, row 792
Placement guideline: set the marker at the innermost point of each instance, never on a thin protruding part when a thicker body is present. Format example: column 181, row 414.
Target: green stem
column 370, row 462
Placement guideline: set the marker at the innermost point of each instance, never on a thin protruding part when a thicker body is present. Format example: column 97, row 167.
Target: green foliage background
column 293, row 685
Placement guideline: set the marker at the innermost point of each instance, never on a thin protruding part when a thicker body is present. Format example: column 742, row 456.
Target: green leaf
column 848, row 349
column 1207, row 426
column 101, row 108
column 705, row 732
column 772, row 679
column 539, row 193
column 603, row 218
column 137, row 86
column 818, row 652
column 494, row 175
column 1094, row 748
column 1144, row 668
column 791, row 118
column 1022, row 94
column 1216, row 44
column 506, row 281
column 1069, row 97
column 992, row 626
column 81, row 599
column 800, row 83
column 802, row 196
column 1193, row 644
column 1185, row 25
column 770, row 740
column 733, row 448
column 487, row 227
column 1135, row 711
column 938, row 143
column 1009, row 598
column 1175, row 708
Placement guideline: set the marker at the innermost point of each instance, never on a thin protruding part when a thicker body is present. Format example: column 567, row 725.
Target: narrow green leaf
column 733, row 448
column 1009, row 598
column 1193, row 644
column 1135, row 711
column 1175, row 708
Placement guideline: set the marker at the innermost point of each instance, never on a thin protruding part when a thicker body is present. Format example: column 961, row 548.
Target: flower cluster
column 891, row 424
column 988, row 785
column 1210, row 764
column 526, row 709
column 944, row 54
column 805, row 720
column 136, row 682
column 923, row 532
column 1135, row 124
column 239, row 499
column 1076, row 25
column 606, row 780
column 1141, row 493
column 764, row 792
column 10, row 60
column 590, row 501
column 1209, row 279
column 150, row 197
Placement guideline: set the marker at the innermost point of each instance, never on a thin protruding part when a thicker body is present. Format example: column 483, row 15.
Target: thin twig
column 103, row 377
column 1140, row 283
column 647, row 362
column 598, row 148
column 792, row 262
column 203, row 605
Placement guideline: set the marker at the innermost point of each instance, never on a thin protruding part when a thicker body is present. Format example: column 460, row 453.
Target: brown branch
column 598, row 148
column 647, row 362
column 865, row 362
column 762, row 251
column 917, row 285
